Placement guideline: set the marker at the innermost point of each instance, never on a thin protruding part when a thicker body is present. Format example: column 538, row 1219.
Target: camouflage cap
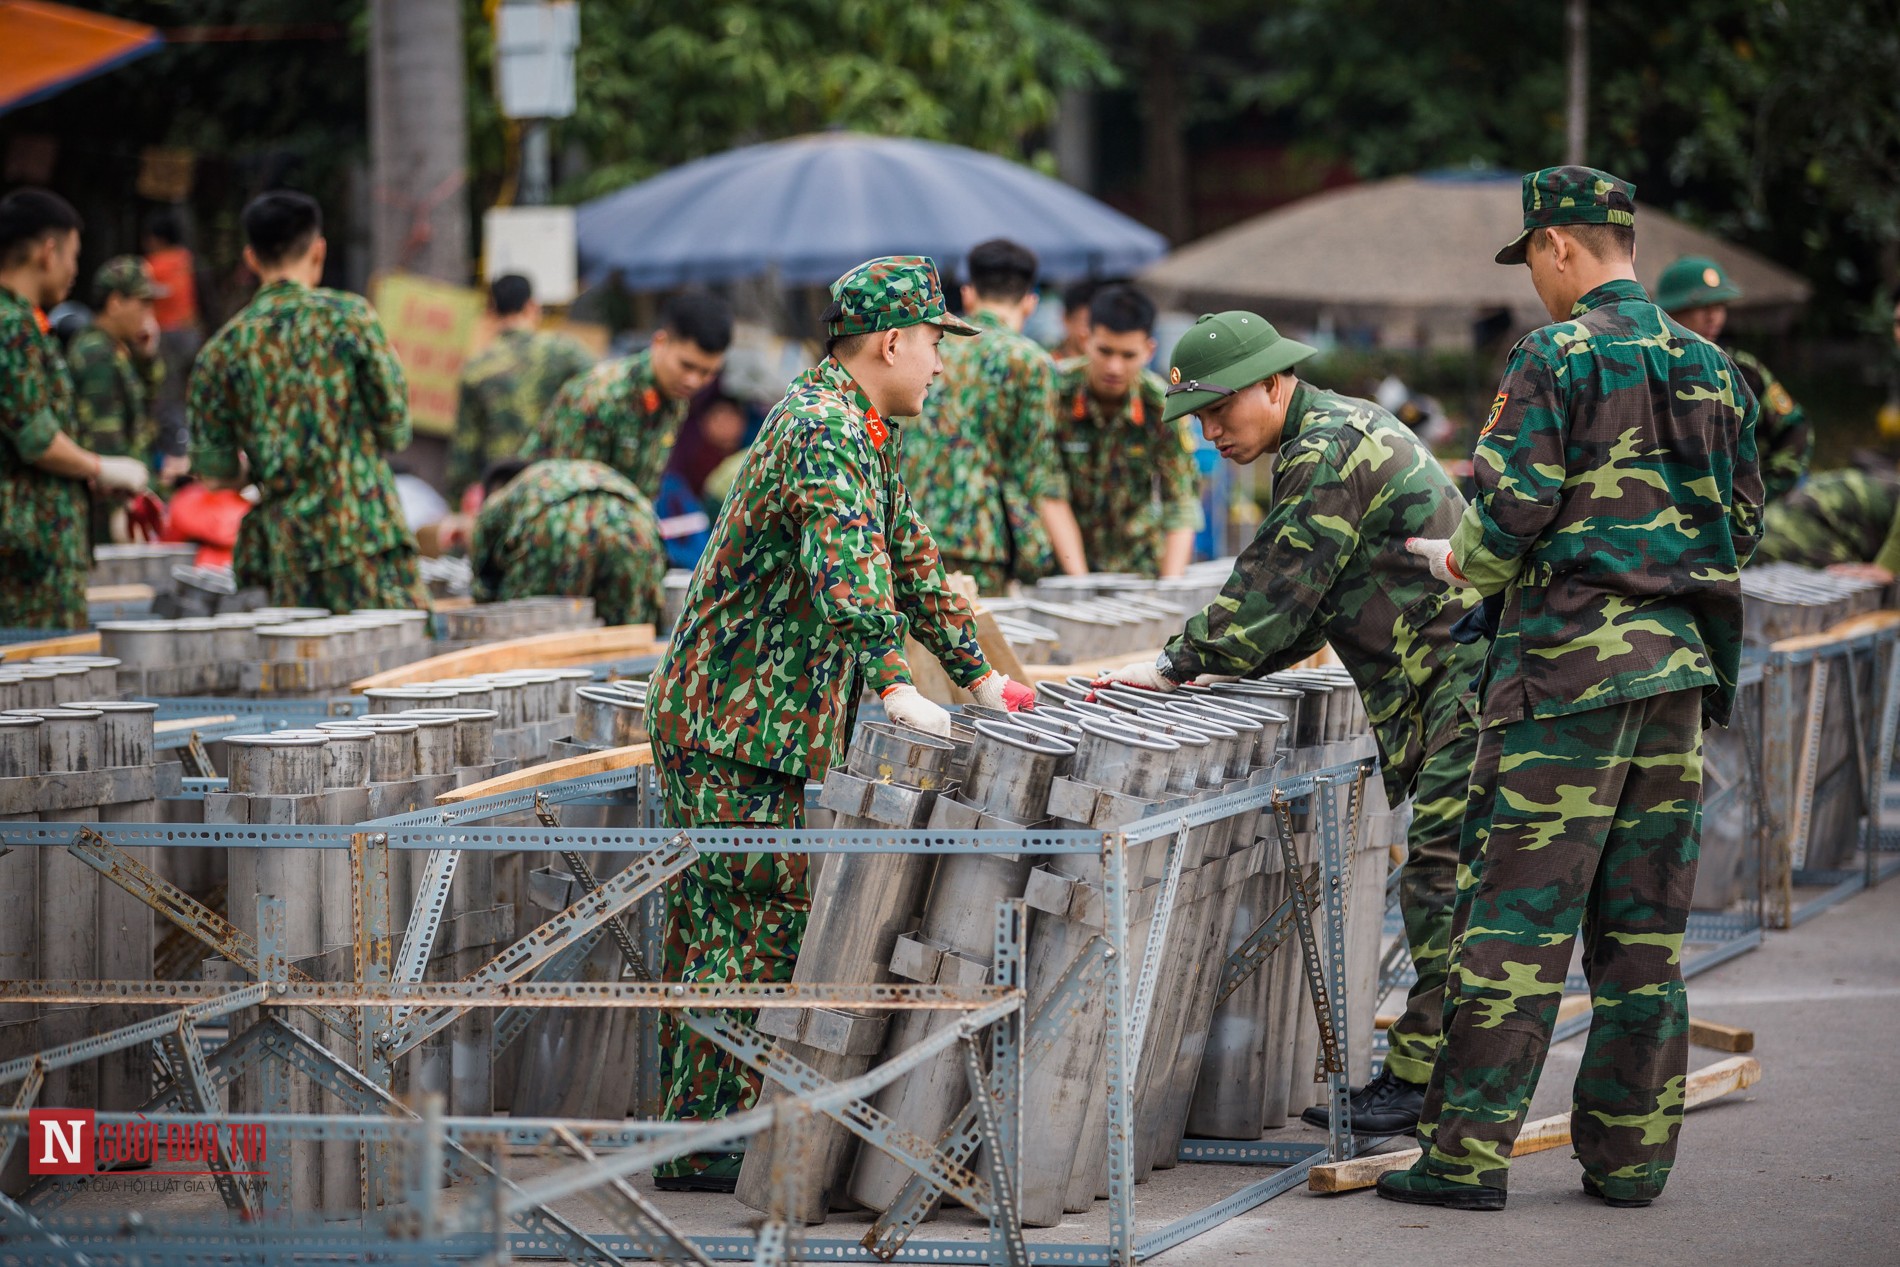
column 1694, row 281
column 1570, row 195
column 126, row 275
column 1222, row 353
column 889, row 293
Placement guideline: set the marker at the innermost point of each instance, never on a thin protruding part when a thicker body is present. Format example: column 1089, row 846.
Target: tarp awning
column 47, row 47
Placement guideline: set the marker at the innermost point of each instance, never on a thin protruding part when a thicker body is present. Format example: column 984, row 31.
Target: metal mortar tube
column 125, row 731
column 860, row 904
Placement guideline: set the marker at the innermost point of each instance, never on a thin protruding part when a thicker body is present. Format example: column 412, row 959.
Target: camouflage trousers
column 1428, row 888
column 389, row 579
column 992, row 579
column 730, row 917
column 35, row 595
column 1593, row 819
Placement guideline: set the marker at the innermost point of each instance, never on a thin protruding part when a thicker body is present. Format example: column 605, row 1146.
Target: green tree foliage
column 1774, row 122
column 659, row 84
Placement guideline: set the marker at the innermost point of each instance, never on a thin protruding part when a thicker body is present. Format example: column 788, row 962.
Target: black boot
column 1388, row 1105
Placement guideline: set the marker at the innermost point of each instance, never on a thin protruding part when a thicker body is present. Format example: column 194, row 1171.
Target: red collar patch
column 875, row 428
column 651, row 399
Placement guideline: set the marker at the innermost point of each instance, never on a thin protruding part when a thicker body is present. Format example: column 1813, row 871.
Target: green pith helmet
column 1570, row 195
column 1222, row 353
column 1694, row 281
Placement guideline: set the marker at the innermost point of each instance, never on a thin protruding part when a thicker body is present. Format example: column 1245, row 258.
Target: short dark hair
column 1076, row 295
column 1122, row 309
column 1002, row 270
column 1604, row 241
column 700, row 317
column 163, row 224
column 509, row 294
column 281, row 225
column 29, row 215
column 501, row 474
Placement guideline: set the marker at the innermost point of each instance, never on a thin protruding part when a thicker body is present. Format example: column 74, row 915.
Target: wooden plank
column 537, row 651
column 1034, row 673
column 1852, row 627
column 64, row 644
column 189, row 723
column 132, row 593
column 1720, row 1037
column 996, row 648
column 553, row 772
column 1702, row 1087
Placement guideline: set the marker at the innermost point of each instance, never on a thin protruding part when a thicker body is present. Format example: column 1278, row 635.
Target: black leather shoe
column 1591, row 1188
column 1388, row 1105
column 1415, row 1187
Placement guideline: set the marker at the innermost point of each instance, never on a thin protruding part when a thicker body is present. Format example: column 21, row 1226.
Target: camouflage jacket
column 1329, row 564
column 114, row 395
column 1836, row 517
column 303, row 383
column 43, row 518
column 817, row 569
column 617, row 414
column 562, row 527
column 1617, row 499
column 505, row 390
column 982, row 457
column 1784, row 439
column 1124, row 517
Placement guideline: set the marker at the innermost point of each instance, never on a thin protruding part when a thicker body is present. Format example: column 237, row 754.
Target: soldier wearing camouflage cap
column 817, row 570
column 1697, row 292
column 1329, row 565
column 1617, row 499
column 116, row 371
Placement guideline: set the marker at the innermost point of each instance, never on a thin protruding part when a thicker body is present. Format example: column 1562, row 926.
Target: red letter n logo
column 59, row 1142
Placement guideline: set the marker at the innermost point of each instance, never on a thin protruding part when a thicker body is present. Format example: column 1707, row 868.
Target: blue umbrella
column 808, row 208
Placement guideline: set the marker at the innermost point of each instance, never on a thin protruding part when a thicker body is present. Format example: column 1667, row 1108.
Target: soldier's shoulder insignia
column 650, row 399
column 875, row 428
column 1497, row 408
column 1778, row 399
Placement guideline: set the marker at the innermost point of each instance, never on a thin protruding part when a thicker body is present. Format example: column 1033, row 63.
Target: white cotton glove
column 1213, row 679
column 906, row 706
column 1436, row 551
column 1000, row 692
column 1145, row 674
column 123, row 475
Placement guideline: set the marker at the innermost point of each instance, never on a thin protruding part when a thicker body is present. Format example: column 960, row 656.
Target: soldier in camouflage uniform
column 1617, row 499
column 1133, row 483
column 301, row 395
column 981, row 464
column 116, row 374
column 1837, row 519
column 627, row 412
column 44, row 551
column 1696, row 293
column 576, row 528
column 508, row 385
column 1351, row 485
column 817, row 569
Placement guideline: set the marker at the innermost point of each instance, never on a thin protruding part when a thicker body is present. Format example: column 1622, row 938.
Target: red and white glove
column 995, row 690
column 1145, row 674
column 905, row 705
column 1436, row 551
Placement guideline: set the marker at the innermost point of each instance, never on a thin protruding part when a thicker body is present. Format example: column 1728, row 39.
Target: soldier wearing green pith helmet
column 1696, row 292
column 1617, row 499
column 1351, row 485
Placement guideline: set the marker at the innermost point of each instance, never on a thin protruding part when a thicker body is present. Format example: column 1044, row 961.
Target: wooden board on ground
column 64, row 644
column 1720, row 1037
column 537, row 651
column 1703, row 1086
column 553, row 772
